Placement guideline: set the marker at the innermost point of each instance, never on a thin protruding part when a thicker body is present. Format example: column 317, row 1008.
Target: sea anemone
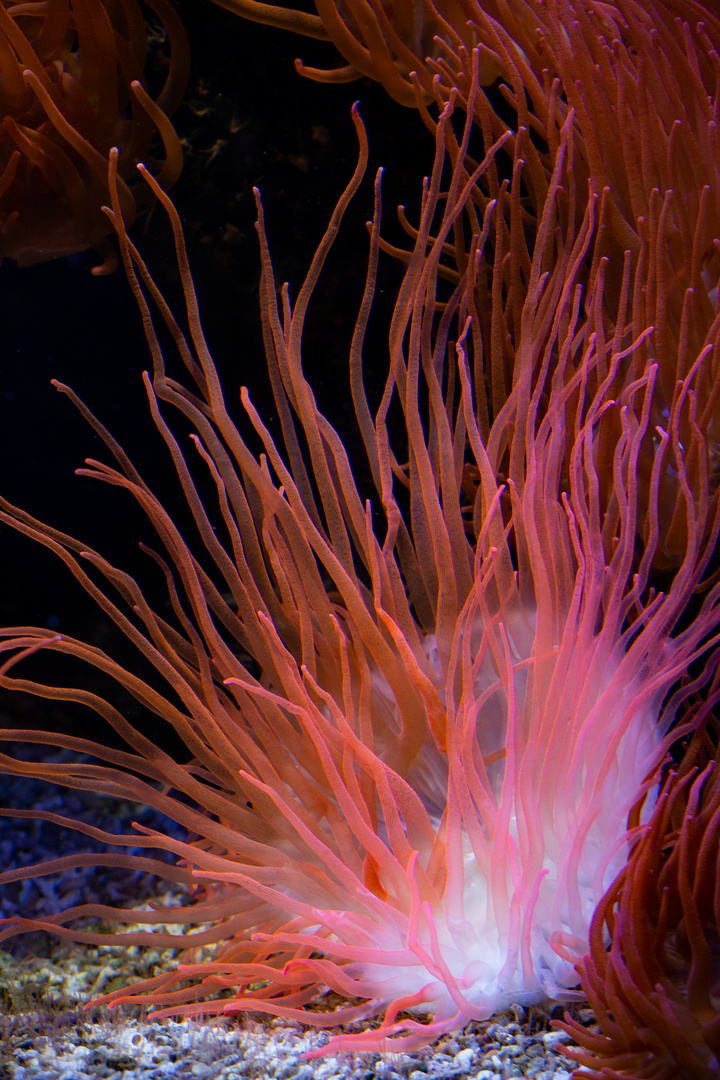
column 71, row 87
column 654, row 991
column 416, row 729
column 640, row 81
column 399, row 43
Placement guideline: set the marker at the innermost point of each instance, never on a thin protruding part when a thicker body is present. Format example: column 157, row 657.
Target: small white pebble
column 463, row 1059
column 552, row 1038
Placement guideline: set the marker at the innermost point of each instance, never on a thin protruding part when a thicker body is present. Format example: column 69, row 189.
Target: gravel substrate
column 136, row 1050
column 46, row 1034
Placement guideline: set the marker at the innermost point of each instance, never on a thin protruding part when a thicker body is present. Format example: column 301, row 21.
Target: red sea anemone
column 71, row 87
column 640, row 82
column 654, row 992
column 418, row 788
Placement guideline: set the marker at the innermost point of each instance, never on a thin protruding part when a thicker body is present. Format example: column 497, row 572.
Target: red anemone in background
column 71, row 87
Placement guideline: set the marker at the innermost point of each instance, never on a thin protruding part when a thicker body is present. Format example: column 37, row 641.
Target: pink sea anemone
column 418, row 789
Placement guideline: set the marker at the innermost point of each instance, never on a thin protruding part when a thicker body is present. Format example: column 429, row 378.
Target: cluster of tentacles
column 654, row 987
column 72, row 85
column 460, row 713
